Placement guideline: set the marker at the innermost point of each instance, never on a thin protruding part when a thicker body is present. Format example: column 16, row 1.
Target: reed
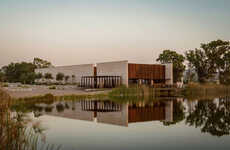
column 195, row 90
column 14, row 131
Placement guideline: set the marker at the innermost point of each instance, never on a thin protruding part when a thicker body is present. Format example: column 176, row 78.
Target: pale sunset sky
column 69, row 32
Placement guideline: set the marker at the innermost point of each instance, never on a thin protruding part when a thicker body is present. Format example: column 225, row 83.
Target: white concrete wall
column 117, row 68
column 169, row 73
column 77, row 70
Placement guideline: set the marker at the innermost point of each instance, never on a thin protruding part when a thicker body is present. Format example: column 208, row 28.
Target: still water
column 164, row 124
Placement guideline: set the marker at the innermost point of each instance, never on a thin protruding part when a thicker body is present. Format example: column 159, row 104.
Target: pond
column 172, row 123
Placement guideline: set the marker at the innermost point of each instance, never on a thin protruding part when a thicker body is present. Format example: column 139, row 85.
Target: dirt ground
column 16, row 91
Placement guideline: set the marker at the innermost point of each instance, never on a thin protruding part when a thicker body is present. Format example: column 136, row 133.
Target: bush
column 60, row 77
column 23, row 86
column 52, row 87
column 5, row 85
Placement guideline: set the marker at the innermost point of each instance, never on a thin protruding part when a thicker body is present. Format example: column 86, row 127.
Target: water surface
column 156, row 124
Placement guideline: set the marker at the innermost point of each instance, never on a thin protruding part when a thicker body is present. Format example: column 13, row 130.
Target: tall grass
column 195, row 90
column 14, row 131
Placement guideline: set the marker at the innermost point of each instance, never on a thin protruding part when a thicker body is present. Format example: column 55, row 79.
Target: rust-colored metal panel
column 141, row 114
column 95, row 71
column 146, row 71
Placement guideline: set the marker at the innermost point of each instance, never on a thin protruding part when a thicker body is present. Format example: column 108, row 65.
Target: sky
column 70, row 32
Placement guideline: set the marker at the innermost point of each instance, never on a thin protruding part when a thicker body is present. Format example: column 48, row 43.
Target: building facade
column 112, row 74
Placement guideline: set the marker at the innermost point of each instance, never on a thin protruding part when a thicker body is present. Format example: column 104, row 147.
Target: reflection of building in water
column 107, row 112
column 160, row 111
column 117, row 114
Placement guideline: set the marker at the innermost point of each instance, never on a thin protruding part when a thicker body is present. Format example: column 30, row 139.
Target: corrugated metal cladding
column 146, row 71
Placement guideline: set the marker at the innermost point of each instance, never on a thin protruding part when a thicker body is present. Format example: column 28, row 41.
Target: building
column 112, row 74
column 74, row 72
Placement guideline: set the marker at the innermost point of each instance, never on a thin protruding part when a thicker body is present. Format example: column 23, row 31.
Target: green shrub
column 5, row 85
column 52, row 87
column 23, row 86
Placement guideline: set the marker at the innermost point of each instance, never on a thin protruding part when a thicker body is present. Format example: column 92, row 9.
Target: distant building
column 111, row 74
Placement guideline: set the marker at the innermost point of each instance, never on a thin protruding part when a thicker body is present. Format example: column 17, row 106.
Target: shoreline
column 33, row 91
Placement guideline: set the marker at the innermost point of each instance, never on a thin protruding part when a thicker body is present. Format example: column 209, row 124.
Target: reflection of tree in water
column 213, row 118
column 178, row 113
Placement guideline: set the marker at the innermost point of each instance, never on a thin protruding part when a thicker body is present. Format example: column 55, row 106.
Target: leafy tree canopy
column 210, row 59
column 40, row 63
column 169, row 56
column 60, row 76
column 20, row 72
column 48, row 76
column 66, row 78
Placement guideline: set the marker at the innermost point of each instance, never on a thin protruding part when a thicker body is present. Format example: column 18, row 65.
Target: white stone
column 116, row 68
column 169, row 73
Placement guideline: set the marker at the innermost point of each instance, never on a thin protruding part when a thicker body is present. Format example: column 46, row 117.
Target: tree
column 31, row 76
column 19, row 72
column 60, row 76
column 2, row 76
column 73, row 78
column 224, row 68
column 66, row 78
column 39, row 76
column 169, row 56
column 48, row 76
column 211, row 59
column 40, row 63
column 211, row 117
column 198, row 61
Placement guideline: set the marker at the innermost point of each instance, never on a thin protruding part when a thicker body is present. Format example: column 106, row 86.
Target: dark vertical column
column 87, row 82
column 109, row 82
column 115, row 81
column 99, row 82
column 84, row 81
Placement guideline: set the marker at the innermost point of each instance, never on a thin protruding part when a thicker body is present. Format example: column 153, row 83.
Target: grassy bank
column 49, row 98
column 136, row 93
column 14, row 131
column 196, row 90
